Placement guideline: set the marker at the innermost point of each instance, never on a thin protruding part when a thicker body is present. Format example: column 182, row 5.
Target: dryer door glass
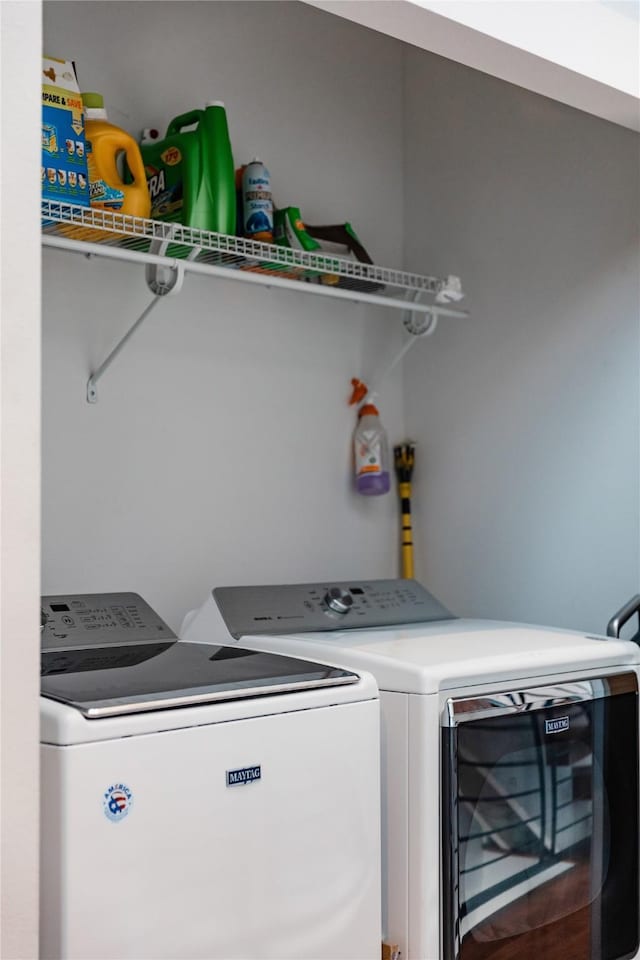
column 540, row 816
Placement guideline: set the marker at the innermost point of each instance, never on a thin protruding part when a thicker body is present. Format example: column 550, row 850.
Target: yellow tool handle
column 404, row 489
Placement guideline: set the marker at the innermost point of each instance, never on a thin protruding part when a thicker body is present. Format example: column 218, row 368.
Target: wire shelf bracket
column 168, row 251
column 92, row 382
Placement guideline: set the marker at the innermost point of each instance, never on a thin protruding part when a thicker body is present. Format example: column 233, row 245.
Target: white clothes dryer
column 201, row 802
column 509, row 765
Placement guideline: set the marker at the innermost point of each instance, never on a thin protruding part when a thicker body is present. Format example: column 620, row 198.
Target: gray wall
column 219, row 451
column 526, row 415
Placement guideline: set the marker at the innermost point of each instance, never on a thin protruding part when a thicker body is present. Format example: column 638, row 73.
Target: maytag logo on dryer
column 557, row 725
column 243, row 775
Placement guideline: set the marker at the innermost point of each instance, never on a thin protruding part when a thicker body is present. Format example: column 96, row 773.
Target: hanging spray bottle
column 370, row 446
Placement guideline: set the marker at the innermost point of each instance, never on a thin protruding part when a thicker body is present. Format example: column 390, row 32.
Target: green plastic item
column 190, row 173
column 290, row 231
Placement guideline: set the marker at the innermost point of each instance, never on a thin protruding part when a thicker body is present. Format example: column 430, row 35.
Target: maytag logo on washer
column 243, row 775
column 557, row 725
column 117, row 802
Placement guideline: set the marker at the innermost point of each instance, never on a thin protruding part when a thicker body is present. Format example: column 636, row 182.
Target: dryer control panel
column 96, row 619
column 309, row 607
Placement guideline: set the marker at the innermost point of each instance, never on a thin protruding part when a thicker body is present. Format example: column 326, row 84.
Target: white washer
column 201, row 803
column 509, row 765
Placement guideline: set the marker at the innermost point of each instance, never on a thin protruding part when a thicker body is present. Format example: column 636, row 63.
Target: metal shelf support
column 162, row 280
column 92, row 382
column 169, row 250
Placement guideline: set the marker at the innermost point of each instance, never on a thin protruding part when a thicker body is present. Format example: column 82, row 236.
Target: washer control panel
column 96, row 619
column 309, row 607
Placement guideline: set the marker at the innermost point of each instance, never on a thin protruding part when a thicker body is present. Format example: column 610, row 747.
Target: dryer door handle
column 623, row 615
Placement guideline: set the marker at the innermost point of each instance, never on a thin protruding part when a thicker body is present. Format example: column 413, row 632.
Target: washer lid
column 130, row 678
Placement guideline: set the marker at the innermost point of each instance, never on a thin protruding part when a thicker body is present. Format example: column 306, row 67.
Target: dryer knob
column 338, row 600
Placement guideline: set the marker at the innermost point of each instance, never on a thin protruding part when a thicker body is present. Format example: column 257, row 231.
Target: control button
column 338, row 600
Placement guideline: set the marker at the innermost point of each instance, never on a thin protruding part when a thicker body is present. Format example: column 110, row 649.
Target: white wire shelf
column 135, row 239
column 169, row 250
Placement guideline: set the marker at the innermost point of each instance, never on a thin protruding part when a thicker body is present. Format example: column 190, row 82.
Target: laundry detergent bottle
column 371, row 453
column 105, row 143
column 191, row 172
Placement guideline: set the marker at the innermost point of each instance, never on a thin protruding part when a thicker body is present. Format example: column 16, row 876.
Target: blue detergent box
column 64, row 162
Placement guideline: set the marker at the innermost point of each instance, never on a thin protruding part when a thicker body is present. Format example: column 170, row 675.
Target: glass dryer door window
column 540, row 815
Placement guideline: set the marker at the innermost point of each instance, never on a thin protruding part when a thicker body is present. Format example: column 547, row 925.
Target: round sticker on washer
column 117, row 802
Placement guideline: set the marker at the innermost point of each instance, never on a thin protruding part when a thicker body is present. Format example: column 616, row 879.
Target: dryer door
column 540, row 823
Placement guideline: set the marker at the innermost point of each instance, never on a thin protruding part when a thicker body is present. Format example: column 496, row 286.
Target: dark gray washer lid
column 129, row 678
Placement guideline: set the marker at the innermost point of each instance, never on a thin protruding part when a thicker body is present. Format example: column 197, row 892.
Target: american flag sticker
column 117, row 801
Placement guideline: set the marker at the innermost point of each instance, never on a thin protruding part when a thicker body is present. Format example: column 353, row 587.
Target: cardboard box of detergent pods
column 64, row 161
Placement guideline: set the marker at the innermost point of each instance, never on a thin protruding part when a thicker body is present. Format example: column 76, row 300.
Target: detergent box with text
column 64, row 162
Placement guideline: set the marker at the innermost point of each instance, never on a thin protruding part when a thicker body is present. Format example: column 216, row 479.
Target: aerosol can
column 257, row 203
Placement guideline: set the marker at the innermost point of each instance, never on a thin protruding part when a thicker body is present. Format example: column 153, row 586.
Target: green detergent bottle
column 190, row 173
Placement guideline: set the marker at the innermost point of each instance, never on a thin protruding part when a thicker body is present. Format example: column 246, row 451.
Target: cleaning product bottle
column 257, row 203
column 371, row 453
column 289, row 231
column 149, row 135
column 190, row 171
column 105, row 142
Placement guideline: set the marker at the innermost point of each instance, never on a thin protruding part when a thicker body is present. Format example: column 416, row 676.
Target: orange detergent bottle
column 105, row 143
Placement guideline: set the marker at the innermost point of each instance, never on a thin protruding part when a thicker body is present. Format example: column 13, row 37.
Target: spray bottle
column 370, row 447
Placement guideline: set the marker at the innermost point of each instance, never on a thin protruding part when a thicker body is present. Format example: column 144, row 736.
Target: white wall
column 219, row 450
column 527, row 415
column 20, row 29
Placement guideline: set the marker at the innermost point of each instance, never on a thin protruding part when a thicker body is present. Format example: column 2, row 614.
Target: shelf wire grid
column 176, row 242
